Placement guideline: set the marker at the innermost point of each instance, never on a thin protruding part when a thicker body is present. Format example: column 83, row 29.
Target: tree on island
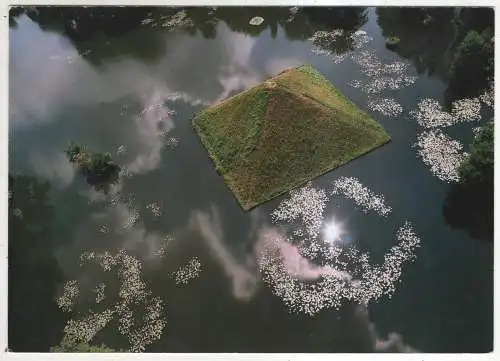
column 469, row 204
column 99, row 169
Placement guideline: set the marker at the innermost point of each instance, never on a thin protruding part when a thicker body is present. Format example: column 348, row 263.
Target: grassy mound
column 284, row 132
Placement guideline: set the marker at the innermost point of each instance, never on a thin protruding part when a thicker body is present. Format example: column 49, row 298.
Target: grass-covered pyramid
column 283, row 132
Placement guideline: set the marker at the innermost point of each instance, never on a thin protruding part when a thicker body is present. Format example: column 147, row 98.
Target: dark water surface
column 445, row 300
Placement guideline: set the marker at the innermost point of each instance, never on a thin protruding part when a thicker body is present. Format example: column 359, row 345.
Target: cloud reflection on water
column 244, row 279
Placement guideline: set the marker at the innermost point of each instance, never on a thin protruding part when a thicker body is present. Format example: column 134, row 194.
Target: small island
column 99, row 169
column 392, row 42
column 278, row 135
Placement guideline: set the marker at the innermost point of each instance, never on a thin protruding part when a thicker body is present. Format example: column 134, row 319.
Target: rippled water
column 190, row 249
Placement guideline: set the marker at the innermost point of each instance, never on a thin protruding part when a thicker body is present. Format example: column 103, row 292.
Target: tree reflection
column 14, row 13
column 426, row 35
column 430, row 38
column 469, row 204
column 35, row 322
column 470, row 209
column 98, row 32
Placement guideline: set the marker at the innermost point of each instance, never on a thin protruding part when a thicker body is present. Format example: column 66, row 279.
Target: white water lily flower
column 188, row 272
column 386, row 106
column 70, row 296
column 430, row 114
column 348, row 275
column 133, row 290
column 351, row 188
column 466, row 110
column 307, row 204
column 345, row 274
column 441, row 153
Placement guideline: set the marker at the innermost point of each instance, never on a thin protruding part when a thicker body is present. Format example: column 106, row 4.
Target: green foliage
column 477, row 170
column 74, row 152
column 472, row 66
column 67, row 346
column 279, row 134
column 425, row 45
column 392, row 42
column 98, row 168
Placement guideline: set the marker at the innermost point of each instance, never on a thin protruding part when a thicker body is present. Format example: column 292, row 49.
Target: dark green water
column 445, row 300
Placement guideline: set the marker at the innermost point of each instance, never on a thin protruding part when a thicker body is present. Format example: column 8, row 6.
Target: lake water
column 444, row 302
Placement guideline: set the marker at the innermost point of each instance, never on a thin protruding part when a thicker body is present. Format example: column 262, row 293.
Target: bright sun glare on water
column 332, row 231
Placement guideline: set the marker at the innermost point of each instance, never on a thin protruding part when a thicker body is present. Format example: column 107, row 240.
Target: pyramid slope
column 284, row 132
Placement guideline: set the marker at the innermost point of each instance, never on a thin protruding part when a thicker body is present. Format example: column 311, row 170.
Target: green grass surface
column 284, row 132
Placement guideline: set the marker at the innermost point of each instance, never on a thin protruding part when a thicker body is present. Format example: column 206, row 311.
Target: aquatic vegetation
column 308, row 203
column 84, row 329
column 377, row 281
column 80, row 347
column 345, row 274
column 441, row 153
column 126, row 320
column 171, row 142
column 188, row 272
column 70, row 296
column 155, row 208
column 363, row 197
column 487, row 97
column 430, row 114
column 125, row 173
column 163, row 249
column 386, row 106
column 276, row 127
column 327, row 43
column 122, row 149
column 179, row 20
column 99, row 292
column 381, row 76
column 381, row 83
column 466, row 110
column 256, row 20
column 324, row 44
column 372, row 66
column 355, row 83
column 150, row 332
column 132, row 219
column 133, row 290
column 171, row 22
column 360, row 38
